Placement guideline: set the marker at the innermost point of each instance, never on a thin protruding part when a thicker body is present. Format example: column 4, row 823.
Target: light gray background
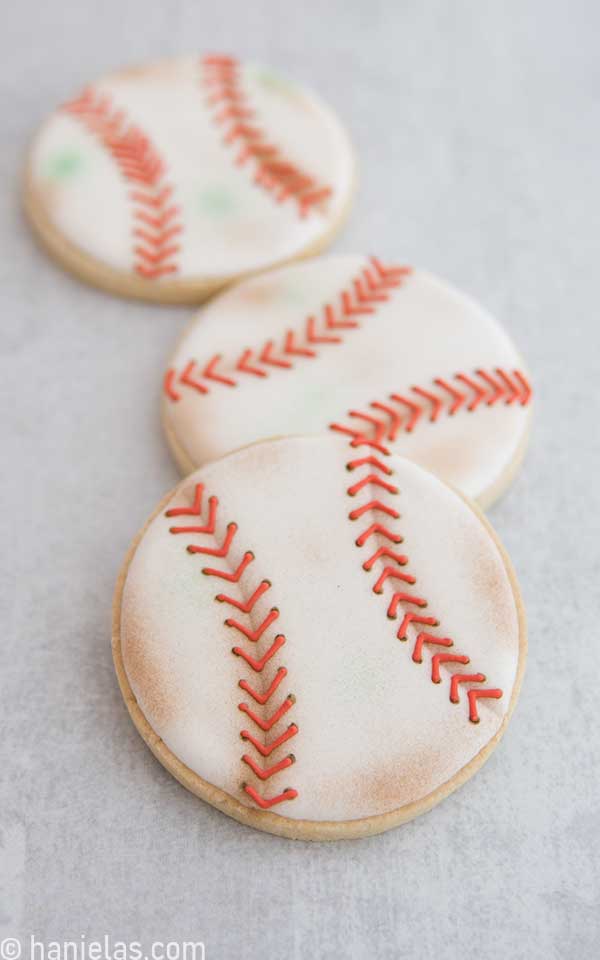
column 477, row 128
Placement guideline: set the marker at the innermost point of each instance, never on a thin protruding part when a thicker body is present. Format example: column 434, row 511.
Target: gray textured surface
column 477, row 129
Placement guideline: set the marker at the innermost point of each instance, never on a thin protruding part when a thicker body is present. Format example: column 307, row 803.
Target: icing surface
column 229, row 223
column 373, row 731
column 423, row 331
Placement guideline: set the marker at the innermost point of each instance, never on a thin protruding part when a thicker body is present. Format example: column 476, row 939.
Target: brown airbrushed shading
column 397, row 783
column 163, row 71
column 410, row 780
column 160, row 693
column 443, row 454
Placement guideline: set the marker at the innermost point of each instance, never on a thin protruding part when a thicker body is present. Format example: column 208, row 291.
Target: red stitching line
column 156, row 220
column 424, row 639
column 261, row 361
column 207, row 525
column 220, row 75
column 486, row 387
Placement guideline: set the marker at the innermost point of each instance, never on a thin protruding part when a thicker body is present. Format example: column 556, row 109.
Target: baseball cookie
column 322, row 641
column 363, row 348
column 168, row 181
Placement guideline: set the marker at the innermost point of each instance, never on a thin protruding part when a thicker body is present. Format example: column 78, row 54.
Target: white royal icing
column 424, row 330
column 373, row 731
column 229, row 224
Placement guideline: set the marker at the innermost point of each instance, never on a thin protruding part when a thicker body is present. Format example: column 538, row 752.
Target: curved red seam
column 413, row 618
column 273, row 172
column 271, row 356
column 490, row 387
column 155, row 220
column 207, row 523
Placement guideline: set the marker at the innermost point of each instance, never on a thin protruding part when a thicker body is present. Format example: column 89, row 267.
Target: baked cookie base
column 285, row 826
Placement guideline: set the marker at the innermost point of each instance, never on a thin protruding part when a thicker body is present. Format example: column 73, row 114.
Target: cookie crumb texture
column 321, row 641
column 183, row 174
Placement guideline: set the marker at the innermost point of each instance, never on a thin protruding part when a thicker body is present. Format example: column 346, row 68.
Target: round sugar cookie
column 322, row 641
column 349, row 343
column 169, row 180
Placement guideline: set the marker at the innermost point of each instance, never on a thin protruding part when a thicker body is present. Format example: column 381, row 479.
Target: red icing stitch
column 266, row 802
column 399, row 598
column 248, row 605
column 244, row 364
column 254, row 635
column 221, row 551
column 463, row 678
column 411, row 617
column 373, row 461
column 209, row 372
column 265, row 772
column 156, row 220
column 440, row 658
column 361, row 440
column 378, row 528
column 428, row 638
column 391, row 573
column 263, row 697
column 395, row 417
column 272, row 170
column 372, row 506
column 375, row 481
column 384, row 552
column 488, row 389
column 424, row 640
column 266, row 356
column 474, row 695
column 188, row 380
column 477, row 390
column 259, row 664
column 266, row 749
column 234, row 576
column 268, row 720
column 264, row 360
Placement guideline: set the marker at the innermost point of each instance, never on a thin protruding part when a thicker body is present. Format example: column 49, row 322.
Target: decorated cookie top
column 173, row 178
column 360, row 347
column 321, row 640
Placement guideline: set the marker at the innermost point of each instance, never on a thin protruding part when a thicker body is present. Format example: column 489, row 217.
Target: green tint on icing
column 63, row 165
column 216, row 202
column 314, row 401
column 293, row 294
column 274, row 82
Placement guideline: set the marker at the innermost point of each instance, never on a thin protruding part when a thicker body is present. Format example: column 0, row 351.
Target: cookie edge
column 484, row 500
column 281, row 826
column 92, row 271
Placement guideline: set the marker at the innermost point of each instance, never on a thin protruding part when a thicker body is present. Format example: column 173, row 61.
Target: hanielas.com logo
column 13, row 948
